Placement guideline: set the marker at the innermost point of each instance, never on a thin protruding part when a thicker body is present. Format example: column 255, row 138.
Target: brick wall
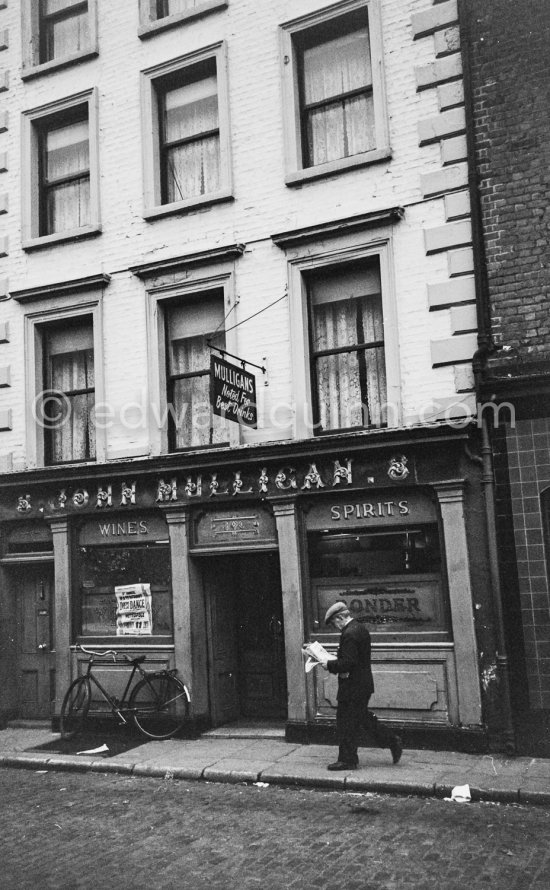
column 511, row 85
column 431, row 258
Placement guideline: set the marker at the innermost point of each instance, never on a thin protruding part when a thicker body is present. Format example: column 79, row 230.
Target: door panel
column 224, row 684
column 36, row 659
column 263, row 690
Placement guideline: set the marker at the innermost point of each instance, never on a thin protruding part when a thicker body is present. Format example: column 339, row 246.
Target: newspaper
column 315, row 655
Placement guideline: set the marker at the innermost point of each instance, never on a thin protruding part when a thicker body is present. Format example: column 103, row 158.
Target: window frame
column 290, row 34
column 151, row 25
column 51, row 312
column 152, row 78
column 34, row 123
column 31, row 41
column 342, row 252
column 159, row 298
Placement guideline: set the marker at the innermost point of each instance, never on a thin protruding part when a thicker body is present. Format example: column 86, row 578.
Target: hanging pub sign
column 233, row 392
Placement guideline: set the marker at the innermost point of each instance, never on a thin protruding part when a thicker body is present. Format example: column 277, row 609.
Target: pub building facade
column 243, row 554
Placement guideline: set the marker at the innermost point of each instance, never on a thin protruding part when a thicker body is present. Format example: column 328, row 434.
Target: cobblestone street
column 73, row 831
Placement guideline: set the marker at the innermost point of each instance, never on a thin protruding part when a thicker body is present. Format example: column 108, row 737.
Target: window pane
column 337, row 66
column 193, row 169
column 67, row 151
column 73, row 371
column 103, row 568
column 65, row 36
column 68, row 206
column 194, row 422
column 347, row 311
column 340, row 130
column 59, row 5
column 171, row 7
column 191, row 109
column 74, row 437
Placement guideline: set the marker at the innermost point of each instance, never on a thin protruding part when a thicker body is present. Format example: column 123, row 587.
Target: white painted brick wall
column 263, row 204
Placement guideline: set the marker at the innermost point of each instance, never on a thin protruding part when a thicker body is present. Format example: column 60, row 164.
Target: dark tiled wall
column 528, row 447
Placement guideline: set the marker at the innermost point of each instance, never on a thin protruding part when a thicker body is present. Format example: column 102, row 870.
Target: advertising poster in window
column 134, row 610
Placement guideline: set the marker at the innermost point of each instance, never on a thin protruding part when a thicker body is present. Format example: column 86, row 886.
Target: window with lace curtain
column 190, row 134
column 56, row 33
column 60, row 182
column 64, row 28
column 347, row 355
column 64, row 168
column 334, row 105
column 189, row 326
column 186, row 133
column 69, row 387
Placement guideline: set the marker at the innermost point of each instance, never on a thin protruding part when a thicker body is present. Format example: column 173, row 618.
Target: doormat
column 93, row 744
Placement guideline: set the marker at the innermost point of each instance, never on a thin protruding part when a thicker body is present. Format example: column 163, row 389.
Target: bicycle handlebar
column 109, row 653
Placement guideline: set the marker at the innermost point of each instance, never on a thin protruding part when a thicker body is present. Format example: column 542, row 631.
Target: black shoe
column 396, row 749
column 341, row 764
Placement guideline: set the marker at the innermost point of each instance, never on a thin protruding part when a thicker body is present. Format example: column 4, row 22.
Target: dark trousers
column 351, row 718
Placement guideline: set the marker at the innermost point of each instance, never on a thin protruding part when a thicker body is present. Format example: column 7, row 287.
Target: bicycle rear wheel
column 74, row 709
column 159, row 705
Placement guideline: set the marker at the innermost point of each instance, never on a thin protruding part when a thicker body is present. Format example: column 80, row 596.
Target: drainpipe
column 485, row 347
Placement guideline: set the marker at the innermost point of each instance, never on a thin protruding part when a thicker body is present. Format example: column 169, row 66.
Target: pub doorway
column 35, row 660
column 247, row 672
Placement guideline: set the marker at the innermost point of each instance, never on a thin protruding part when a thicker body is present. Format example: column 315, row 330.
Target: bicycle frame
column 117, row 705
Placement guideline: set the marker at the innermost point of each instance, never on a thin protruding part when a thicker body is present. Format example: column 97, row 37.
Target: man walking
column 355, row 687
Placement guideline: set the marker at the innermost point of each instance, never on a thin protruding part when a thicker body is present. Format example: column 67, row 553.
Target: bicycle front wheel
column 159, row 706
column 74, row 709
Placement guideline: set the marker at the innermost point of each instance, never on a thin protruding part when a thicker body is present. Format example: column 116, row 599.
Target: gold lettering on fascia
column 369, row 511
column 123, row 529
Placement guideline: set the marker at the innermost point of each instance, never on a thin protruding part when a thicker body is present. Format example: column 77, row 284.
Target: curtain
column 68, row 34
column 194, row 167
column 195, row 424
column 68, row 154
column 340, row 127
column 351, row 386
column 74, row 438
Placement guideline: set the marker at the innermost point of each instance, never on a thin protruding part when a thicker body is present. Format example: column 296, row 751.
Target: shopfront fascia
column 385, row 529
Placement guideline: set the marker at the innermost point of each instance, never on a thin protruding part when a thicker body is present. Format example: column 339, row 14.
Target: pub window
column 189, row 326
column 334, row 106
column 102, row 568
column 390, row 579
column 69, row 391
column 348, row 366
column 64, row 28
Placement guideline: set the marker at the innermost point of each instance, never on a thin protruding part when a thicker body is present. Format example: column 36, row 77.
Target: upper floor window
column 64, row 28
column 56, row 33
column 334, row 104
column 69, row 388
column 61, row 176
column 189, row 326
column 186, row 133
column 157, row 15
column 64, row 174
column 347, row 347
column 190, row 134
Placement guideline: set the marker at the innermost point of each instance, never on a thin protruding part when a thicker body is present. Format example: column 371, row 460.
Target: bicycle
column 158, row 704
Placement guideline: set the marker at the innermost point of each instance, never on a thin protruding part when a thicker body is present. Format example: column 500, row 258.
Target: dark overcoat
column 353, row 663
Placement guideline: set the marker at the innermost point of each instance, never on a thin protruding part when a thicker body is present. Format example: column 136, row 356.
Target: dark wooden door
column 34, row 587
column 263, row 689
column 224, row 660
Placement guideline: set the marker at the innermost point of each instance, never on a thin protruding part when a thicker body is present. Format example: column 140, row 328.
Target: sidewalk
column 273, row 761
